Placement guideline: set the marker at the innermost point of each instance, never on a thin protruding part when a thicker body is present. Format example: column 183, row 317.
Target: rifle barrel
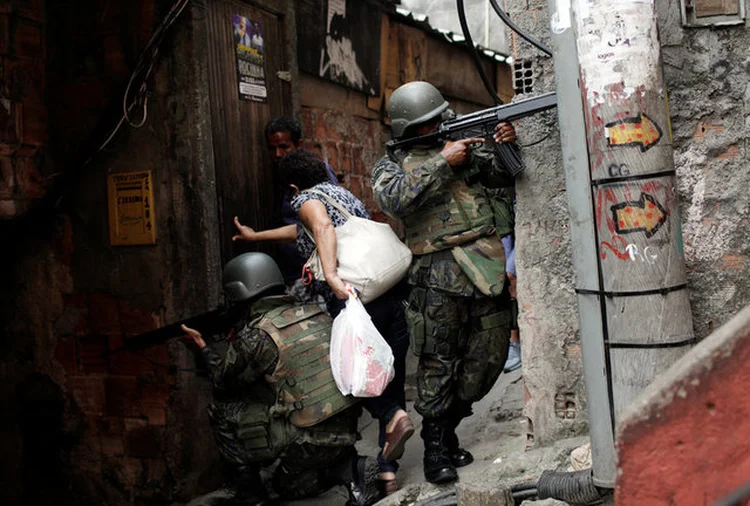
column 211, row 322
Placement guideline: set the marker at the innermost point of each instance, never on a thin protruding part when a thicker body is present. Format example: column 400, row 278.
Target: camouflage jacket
column 450, row 218
column 286, row 345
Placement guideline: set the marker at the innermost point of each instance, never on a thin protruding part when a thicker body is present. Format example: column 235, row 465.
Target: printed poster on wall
column 131, row 212
column 248, row 43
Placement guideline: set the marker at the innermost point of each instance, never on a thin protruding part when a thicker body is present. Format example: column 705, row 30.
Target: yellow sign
column 131, row 209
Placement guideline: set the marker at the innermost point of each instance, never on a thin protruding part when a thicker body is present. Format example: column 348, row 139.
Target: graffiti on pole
column 643, row 215
column 639, row 131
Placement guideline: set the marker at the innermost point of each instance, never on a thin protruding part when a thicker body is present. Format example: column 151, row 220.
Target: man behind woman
column 302, row 171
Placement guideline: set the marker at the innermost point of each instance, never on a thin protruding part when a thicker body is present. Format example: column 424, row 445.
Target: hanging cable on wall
column 134, row 97
column 141, row 74
column 528, row 38
column 460, row 7
column 474, row 54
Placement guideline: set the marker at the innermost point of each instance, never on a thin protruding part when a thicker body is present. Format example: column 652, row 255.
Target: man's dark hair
column 285, row 124
column 304, row 169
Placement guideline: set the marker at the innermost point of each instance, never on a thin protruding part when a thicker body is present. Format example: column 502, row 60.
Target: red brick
column 11, row 121
column 29, row 40
column 732, row 262
column 153, row 402
column 345, row 157
column 7, row 178
column 32, row 9
column 104, row 314
column 29, row 182
column 128, row 472
column 368, row 198
column 307, row 119
column 136, row 364
column 92, row 351
column 34, row 129
column 705, row 129
column 356, row 185
column 112, row 435
column 89, row 393
column 733, row 152
column 30, row 78
column 358, row 162
column 332, row 155
column 122, row 396
column 134, row 321
column 66, row 354
column 4, row 34
column 144, row 442
column 65, row 244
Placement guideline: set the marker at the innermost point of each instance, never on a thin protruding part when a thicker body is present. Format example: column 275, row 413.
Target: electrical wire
column 528, row 38
column 140, row 75
column 473, row 52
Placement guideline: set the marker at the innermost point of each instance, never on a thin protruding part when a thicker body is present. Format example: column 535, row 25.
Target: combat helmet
column 414, row 103
column 250, row 274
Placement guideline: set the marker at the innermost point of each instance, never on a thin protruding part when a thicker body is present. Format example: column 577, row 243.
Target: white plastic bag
column 361, row 360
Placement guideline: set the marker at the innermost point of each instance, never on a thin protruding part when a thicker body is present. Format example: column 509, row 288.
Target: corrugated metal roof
column 423, row 22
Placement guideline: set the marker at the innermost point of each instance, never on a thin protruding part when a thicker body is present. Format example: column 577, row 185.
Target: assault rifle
column 480, row 124
column 214, row 322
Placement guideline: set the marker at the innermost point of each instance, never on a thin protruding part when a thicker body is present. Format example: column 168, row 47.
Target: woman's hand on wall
column 245, row 233
column 194, row 336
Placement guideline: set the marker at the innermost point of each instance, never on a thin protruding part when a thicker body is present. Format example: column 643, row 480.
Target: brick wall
column 80, row 426
column 23, row 117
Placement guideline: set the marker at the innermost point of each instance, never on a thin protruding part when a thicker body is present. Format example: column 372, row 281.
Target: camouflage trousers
column 310, row 459
column 462, row 343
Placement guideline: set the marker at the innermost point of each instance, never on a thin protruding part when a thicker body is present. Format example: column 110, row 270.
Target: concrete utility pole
column 625, row 226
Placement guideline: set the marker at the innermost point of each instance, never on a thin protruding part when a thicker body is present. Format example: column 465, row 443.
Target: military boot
column 360, row 479
column 438, row 467
column 249, row 489
column 458, row 455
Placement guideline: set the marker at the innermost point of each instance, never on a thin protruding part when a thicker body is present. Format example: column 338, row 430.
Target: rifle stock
column 481, row 124
column 213, row 322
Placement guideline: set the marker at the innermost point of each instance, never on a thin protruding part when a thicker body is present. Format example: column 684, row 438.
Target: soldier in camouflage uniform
column 275, row 397
column 458, row 311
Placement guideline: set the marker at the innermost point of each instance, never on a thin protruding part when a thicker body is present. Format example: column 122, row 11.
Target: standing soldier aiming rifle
column 275, row 396
column 459, row 309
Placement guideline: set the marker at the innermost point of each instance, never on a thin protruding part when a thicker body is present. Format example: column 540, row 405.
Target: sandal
column 395, row 441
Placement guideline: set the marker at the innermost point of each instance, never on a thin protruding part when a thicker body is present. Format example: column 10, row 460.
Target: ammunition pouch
column 413, row 311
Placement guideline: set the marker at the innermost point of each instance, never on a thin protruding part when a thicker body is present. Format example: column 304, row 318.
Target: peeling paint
column 617, row 45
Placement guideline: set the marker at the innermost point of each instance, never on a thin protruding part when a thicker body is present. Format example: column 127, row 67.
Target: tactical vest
column 302, row 380
column 456, row 214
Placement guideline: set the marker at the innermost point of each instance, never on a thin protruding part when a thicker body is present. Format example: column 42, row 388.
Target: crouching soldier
column 275, row 397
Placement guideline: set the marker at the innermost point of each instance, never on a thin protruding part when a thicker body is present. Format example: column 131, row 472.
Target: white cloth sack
column 370, row 255
column 361, row 360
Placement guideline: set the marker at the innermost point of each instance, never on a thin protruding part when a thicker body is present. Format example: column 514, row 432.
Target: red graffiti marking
column 603, row 196
column 622, row 255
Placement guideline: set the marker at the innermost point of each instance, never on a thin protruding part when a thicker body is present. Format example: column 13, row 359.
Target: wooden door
column 244, row 180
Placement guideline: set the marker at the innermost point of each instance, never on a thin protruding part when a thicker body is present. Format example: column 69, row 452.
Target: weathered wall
column 79, row 428
column 23, row 118
column 684, row 440
column 548, row 320
column 705, row 71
